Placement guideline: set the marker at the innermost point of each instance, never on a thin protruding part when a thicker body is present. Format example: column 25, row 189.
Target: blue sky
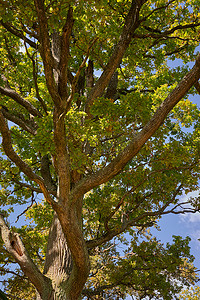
column 184, row 225
column 187, row 224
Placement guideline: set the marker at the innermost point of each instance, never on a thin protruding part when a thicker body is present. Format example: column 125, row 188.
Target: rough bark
column 58, row 261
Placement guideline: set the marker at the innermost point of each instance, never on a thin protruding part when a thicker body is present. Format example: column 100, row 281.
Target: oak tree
column 99, row 140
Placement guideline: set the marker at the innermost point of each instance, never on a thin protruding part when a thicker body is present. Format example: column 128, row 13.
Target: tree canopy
column 99, row 139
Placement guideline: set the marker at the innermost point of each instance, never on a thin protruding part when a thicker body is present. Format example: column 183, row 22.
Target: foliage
column 191, row 294
column 84, row 119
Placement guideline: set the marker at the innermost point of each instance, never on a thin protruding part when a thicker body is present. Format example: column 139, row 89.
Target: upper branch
column 77, row 75
column 46, row 51
column 64, row 53
column 160, row 34
column 118, row 163
column 16, row 248
column 131, row 24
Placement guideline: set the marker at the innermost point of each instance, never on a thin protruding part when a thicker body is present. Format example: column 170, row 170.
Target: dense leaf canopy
column 97, row 128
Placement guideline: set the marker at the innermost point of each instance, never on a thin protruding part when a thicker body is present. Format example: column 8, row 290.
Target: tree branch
column 165, row 33
column 26, row 169
column 98, row 290
column 64, row 54
column 156, row 9
column 118, row 163
column 46, row 53
column 16, row 248
column 77, row 75
column 28, row 186
column 30, row 32
column 7, row 91
column 131, row 24
column 46, row 175
column 197, row 86
column 18, row 33
column 18, row 121
column 136, row 222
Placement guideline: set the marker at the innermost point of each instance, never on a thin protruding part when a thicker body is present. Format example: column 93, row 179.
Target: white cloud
column 195, row 235
column 190, row 217
column 185, row 197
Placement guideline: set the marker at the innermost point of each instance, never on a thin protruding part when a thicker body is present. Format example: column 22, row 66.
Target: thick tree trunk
column 58, row 263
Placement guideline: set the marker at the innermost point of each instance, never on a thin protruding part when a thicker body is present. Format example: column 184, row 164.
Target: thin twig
column 32, row 202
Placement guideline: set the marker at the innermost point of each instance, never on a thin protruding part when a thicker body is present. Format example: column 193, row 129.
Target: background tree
column 93, row 142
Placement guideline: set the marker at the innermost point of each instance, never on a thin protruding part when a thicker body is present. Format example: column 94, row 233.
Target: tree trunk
column 58, row 262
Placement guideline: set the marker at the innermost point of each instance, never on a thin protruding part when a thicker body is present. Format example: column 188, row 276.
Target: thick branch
column 77, row 75
column 16, row 248
column 46, row 175
column 18, row 121
column 64, row 54
column 18, row 33
column 19, row 99
column 131, row 24
column 62, row 156
column 45, row 51
column 115, row 167
column 197, row 86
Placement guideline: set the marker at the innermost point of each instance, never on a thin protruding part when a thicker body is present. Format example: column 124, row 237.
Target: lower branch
column 16, row 248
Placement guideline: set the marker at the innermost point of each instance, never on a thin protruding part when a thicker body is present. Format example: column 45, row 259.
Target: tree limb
column 131, row 24
column 77, row 75
column 165, row 33
column 7, row 91
column 118, row 163
column 18, row 121
column 98, row 290
column 18, row 33
column 46, row 175
column 136, row 221
column 64, row 54
column 16, row 248
column 28, row 186
column 197, row 86
column 46, row 53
